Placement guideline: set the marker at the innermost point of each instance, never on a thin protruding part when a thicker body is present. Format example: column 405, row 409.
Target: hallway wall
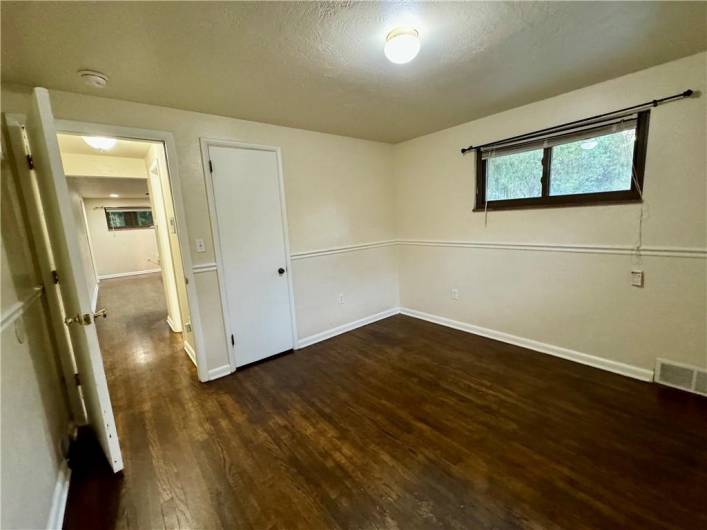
column 120, row 252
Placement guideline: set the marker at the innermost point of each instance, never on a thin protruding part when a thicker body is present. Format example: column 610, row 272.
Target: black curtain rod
column 558, row 128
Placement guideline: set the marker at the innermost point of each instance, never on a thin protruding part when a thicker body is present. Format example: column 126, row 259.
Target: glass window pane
column 117, row 220
column 602, row 163
column 129, row 219
column 144, row 218
column 514, row 176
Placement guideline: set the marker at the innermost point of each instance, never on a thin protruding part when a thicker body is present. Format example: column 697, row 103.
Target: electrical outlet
column 341, row 298
column 454, row 293
column 200, row 246
column 637, row 278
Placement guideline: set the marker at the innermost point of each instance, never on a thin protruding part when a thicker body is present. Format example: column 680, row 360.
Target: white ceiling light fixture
column 100, row 143
column 402, row 45
column 93, row 78
column 113, row 195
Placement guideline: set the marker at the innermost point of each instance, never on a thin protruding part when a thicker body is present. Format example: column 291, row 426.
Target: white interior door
column 71, row 286
column 252, row 250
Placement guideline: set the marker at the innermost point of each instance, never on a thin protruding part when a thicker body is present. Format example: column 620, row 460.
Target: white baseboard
column 124, row 274
column 61, row 494
column 338, row 330
column 94, row 297
column 583, row 358
column 172, row 326
column 221, row 371
column 190, row 352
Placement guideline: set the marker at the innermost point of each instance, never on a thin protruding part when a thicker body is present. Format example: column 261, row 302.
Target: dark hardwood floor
column 400, row 424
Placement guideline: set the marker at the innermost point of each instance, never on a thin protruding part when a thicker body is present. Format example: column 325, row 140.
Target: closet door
column 252, row 255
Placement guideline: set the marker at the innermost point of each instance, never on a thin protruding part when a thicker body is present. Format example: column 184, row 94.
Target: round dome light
column 93, row 78
column 402, row 45
column 100, row 142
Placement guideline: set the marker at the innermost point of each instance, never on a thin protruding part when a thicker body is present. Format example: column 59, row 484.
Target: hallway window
column 128, row 218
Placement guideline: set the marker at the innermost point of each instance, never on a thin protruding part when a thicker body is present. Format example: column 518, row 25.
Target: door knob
column 87, row 318
column 281, row 271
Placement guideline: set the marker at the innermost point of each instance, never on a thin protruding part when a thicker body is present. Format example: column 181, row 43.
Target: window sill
column 563, row 201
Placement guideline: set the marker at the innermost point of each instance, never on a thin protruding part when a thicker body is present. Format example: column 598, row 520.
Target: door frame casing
column 213, row 220
column 167, row 139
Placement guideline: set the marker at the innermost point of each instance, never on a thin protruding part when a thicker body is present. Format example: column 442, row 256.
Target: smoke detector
column 93, row 78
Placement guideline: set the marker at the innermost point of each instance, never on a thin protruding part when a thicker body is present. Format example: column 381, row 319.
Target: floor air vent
column 682, row 376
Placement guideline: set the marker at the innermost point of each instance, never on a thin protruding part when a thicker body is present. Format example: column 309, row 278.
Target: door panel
column 246, row 195
column 73, row 291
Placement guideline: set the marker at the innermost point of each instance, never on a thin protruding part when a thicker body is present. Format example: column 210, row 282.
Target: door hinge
column 211, row 167
column 233, row 340
column 187, row 326
column 55, row 277
column 77, row 379
column 30, row 162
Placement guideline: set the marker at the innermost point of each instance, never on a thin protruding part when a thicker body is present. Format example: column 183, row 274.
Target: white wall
column 582, row 301
column 35, row 413
column 120, row 251
column 339, row 192
column 83, row 165
column 342, row 191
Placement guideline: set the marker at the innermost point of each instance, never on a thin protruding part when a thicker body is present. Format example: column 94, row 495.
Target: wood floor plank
column 401, row 424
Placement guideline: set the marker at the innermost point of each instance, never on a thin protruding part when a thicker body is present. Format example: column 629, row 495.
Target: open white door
column 73, row 291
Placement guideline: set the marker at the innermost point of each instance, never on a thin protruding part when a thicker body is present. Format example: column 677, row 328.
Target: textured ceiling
column 321, row 66
column 69, row 143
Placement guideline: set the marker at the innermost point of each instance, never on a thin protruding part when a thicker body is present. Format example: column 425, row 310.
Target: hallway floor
column 399, row 424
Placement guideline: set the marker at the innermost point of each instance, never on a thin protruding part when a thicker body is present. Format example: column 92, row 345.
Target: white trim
column 190, row 352
column 59, row 498
column 221, row 371
column 94, row 295
column 90, row 241
column 17, row 309
column 208, row 178
column 670, row 252
column 204, row 267
column 582, row 358
column 171, row 325
column 657, row 251
column 338, row 250
column 167, row 139
column 124, row 274
column 338, row 330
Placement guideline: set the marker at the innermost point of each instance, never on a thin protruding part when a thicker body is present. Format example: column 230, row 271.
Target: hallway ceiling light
column 100, row 142
column 113, row 195
column 402, row 45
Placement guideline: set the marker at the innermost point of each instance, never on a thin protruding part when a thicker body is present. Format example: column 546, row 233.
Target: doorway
column 126, row 229
column 67, row 270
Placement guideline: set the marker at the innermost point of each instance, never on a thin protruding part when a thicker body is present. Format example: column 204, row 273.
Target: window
column 601, row 163
column 128, row 218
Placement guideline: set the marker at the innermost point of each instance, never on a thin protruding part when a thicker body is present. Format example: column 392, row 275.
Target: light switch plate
column 637, row 278
column 200, row 246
